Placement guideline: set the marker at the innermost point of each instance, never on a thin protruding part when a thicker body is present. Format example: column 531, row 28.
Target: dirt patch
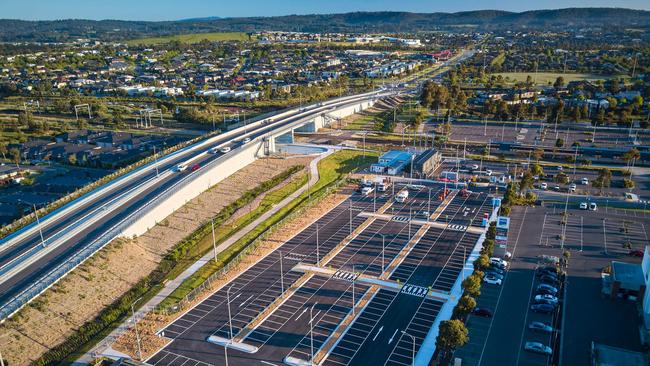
column 152, row 323
column 103, row 278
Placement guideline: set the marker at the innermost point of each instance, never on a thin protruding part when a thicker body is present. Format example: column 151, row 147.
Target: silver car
column 537, row 347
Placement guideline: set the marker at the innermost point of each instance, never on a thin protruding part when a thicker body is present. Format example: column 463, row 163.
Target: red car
column 636, row 253
column 482, row 312
column 195, row 167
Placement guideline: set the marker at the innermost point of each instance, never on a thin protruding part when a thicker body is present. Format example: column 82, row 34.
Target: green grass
column 331, row 169
column 192, row 38
column 543, row 78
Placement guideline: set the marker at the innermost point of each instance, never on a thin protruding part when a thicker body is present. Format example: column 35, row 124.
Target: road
column 113, row 204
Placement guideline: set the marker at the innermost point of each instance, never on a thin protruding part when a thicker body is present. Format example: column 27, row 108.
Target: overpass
column 37, row 256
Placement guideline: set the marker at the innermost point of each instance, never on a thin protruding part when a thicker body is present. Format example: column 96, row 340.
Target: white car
column 474, row 167
column 543, row 186
column 492, row 280
column 213, row 150
column 546, row 297
column 225, row 149
column 584, row 181
column 583, row 205
column 246, row 140
column 499, row 262
column 538, row 348
column 593, row 206
column 572, row 187
column 181, row 167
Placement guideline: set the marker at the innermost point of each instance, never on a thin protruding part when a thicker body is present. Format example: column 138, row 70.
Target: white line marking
column 377, row 335
column 303, row 311
column 393, row 336
column 242, row 304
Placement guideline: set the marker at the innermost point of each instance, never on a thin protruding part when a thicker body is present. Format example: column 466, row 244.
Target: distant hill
column 116, row 30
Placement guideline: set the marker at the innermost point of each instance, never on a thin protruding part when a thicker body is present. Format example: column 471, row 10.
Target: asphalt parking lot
column 426, row 266
column 586, row 315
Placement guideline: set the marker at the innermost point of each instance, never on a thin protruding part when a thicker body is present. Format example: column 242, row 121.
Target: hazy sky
column 180, row 9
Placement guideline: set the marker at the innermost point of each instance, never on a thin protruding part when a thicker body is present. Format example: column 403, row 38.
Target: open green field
column 192, row 38
column 544, row 78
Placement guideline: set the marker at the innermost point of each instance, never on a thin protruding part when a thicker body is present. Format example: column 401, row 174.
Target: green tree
column 482, row 262
column 631, row 156
column 526, row 182
column 603, row 180
column 3, row 150
column 466, row 305
column 452, row 335
column 559, row 82
column 559, row 142
column 537, row 169
column 472, row 284
column 14, row 155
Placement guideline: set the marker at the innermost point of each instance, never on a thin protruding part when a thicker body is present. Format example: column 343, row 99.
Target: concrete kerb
column 428, row 348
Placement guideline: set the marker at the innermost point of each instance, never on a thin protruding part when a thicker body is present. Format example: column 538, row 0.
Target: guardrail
column 43, row 283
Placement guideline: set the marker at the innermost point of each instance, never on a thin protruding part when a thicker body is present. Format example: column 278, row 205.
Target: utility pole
column 353, row 280
column 317, row 252
column 281, row 272
column 383, row 247
column 350, row 231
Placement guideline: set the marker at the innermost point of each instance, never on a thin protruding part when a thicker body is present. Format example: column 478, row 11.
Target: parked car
column 225, row 149
column 474, row 167
column 546, row 299
column 540, row 327
column 584, row 181
column 213, row 150
column 499, row 262
column 246, row 140
column 494, row 274
column 547, row 270
column 537, row 347
column 572, row 187
column 543, row 272
column 547, row 288
column 635, row 253
column 482, row 312
column 543, row 185
column 556, row 188
column 180, row 167
column 550, row 280
column 583, row 205
column 492, row 280
column 593, row 206
column 542, row 308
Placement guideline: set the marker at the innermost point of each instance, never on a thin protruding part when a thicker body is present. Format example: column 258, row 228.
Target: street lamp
column 135, row 324
column 413, row 339
column 383, row 247
column 311, row 332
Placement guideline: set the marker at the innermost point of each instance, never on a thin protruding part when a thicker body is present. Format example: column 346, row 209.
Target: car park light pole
column 135, row 324
column 383, row 247
column 281, row 273
column 412, row 339
column 311, row 332
column 40, row 230
column 214, row 241
column 317, row 251
column 429, row 205
column 155, row 158
column 353, row 280
column 229, row 313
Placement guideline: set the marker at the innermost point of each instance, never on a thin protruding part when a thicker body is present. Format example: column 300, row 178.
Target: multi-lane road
column 311, row 318
column 24, row 260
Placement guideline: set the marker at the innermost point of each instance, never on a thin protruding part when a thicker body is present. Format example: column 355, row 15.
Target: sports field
column 543, row 78
column 193, row 38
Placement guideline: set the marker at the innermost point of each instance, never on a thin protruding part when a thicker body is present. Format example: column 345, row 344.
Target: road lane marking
column 392, row 337
column 377, row 335
column 303, row 311
column 243, row 302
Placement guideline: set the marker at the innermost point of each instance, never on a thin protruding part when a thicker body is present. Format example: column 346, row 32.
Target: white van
column 402, row 196
column 366, row 191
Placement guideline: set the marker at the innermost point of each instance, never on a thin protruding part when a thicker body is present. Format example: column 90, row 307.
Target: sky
column 183, row 9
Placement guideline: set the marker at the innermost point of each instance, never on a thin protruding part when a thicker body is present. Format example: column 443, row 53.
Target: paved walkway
column 170, row 286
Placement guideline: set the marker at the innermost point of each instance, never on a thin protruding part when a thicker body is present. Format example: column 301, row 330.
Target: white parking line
column 377, row 334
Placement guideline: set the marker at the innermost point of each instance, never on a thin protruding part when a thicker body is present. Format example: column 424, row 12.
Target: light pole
column 214, row 241
column 350, row 229
column 413, row 339
column 155, row 158
column 353, row 280
column 317, row 251
column 40, row 230
column 383, row 247
column 229, row 313
column 281, row 272
column 429, row 206
column 311, row 332
column 135, row 324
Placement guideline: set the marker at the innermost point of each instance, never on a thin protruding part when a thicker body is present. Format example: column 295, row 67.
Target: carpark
column 593, row 239
column 425, row 267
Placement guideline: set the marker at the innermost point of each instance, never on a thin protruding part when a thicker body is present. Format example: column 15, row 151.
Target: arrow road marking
column 377, row 335
column 393, row 336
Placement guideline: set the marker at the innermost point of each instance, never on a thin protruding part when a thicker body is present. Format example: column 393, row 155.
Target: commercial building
column 392, row 162
column 427, row 163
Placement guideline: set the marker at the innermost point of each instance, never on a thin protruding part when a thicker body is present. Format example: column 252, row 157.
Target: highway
column 23, row 258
